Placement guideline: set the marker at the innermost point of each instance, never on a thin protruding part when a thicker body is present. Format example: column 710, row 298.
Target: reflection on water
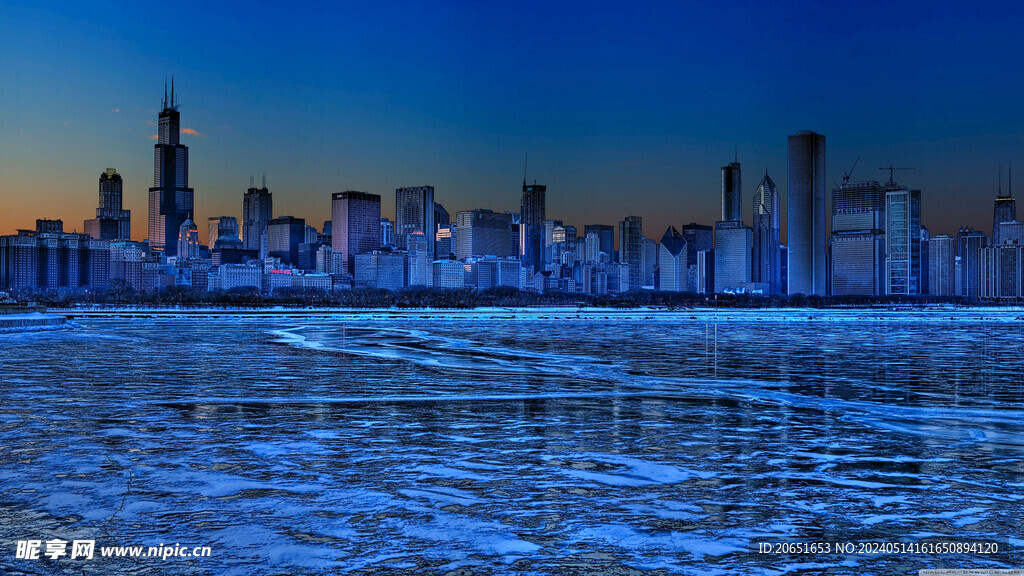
column 543, row 446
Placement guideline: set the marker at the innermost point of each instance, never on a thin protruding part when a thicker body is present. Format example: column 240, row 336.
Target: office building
column 415, row 211
column 941, row 265
column 284, row 235
column 481, row 233
column 111, row 222
column 805, row 209
column 605, row 237
column 532, row 213
column 257, row 211
column 630, row 233
column 902, row 240
column 1003, row 210
column 766, row 252
column 51, row 259
column 969, row 243
column 857, row 245
column 449, row 274
column 670, row 275
column 171, row 201
column 732, row 193
column 217, row 226
column 188, row 241
column 380, row 269
column 355, row 225
column 732, row 256
column 421, row 263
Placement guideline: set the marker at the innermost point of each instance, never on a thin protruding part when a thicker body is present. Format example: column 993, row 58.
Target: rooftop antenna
column 264, row 179
column 1010, row 184
column 526, row 162
column 736, row 153
column 173, row 103
column 252, row 181
column 1000, row 193
column 165, row 91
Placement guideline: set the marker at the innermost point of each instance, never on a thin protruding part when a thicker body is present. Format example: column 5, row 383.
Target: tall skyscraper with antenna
column 531, row 224
column 257, row 211
column 171, row 201
column 1004, row 210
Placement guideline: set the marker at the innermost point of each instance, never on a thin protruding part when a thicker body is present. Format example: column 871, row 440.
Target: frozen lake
column 530, row 445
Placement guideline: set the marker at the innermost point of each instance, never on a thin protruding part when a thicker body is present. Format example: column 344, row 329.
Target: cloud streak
column 192, row 132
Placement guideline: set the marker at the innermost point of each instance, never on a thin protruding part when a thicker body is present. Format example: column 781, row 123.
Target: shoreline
column 893, row 314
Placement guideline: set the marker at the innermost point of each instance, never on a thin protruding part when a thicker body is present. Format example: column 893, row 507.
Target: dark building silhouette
column 805, row 209
column 171, row 201
column 531, row 225
column 111, row 222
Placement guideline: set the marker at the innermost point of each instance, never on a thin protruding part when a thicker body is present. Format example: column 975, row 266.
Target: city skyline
column 605, row 132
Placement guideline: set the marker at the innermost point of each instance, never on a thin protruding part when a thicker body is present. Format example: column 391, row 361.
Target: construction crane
column 846, row 175
column 892, row 169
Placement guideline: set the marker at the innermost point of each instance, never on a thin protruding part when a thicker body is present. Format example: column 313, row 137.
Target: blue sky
column 625, row 108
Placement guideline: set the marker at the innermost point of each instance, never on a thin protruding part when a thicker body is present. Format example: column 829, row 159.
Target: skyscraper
column 355, row 225
column 1004, row 210
column 806, row 213
column 284, row 235
column 941, row 262
column 902, row 240
column 858, row 239
column 188, row 240
column 220, row 226
column 415, row 211
column 630, row 232
column 732, row 193
column 969, row 243
column 531, row 226
column 482, row 233
column 699, row 238
column 732, row 256
column 257, row 210
column 171, row 201
column 671, row 271
column 605, row 237
column 111, row 222
column 766, row 252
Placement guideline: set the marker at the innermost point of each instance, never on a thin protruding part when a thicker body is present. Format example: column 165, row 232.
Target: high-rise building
column 355, row 225
column 902, row 240
column 387, row 233
column 111, row 222
column 732, row 256
column 806, row 214
column 188, row 240
column 648, row 262
column 699, row 237
column 441, row 217
column 630, row 233
column 421, row 264
column 765, row 266
column 380, row 269
column 671, row 272
column 941, row 262
column 52, row 259
column 969, row 243
column 415, row 210
column 605, row 236
column 218, row 226
column 284, row 236
column 171, row 201
column 532, row 211
column 482, row 233
column 732, row 193
column 449, row 274
column 858, row 239
column 257, row 210
column 1004, row 210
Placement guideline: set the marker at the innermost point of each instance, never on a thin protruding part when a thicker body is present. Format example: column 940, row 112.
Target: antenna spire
column 173, row 103
column 264, row 179
column 165, row 92
column 252, row 181
column 526, row 162
column 1010, row 184
column 736, row 153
